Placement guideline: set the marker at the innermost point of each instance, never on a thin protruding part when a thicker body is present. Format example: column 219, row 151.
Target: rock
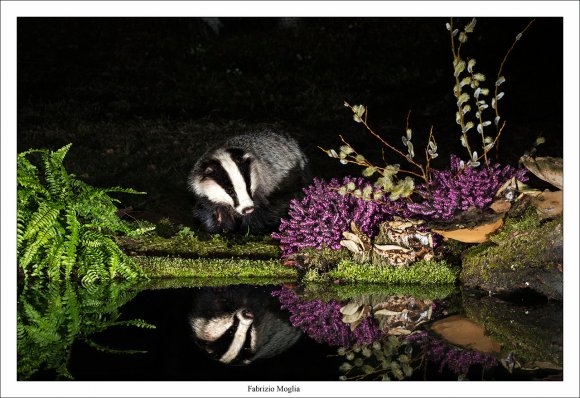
column 526, row 253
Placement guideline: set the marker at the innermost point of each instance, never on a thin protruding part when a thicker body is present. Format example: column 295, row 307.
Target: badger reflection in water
column 237, row 325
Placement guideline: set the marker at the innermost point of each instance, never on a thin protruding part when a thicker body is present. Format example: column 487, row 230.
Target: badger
column 246, row 183
column 237, row 325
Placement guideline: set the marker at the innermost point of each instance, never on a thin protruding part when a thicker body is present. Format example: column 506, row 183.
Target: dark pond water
column 283, row 333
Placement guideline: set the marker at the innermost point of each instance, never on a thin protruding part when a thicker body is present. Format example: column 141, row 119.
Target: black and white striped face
column 227, row 180
column 231, row 338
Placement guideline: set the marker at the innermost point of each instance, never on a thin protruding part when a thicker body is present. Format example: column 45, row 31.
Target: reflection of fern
column 62, row 224
column 51, row 317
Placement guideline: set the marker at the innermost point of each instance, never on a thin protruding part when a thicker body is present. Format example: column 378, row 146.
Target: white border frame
column 11, row 10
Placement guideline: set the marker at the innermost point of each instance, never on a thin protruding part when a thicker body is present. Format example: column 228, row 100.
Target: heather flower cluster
column 459, row 188
column 318, row 219
column 456, row 360
column 322, row 321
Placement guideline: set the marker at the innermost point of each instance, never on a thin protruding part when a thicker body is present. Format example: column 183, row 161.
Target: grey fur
column 278, row 169
column 265, row 334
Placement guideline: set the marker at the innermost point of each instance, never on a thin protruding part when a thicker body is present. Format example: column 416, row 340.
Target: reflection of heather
column 457, row 190
column 456, row 360
column 322, row 321
column 318, row 219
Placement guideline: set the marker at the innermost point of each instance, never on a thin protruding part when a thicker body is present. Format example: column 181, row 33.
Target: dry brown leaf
column 350, row 308
column 501, row 206
column 546, row 168
column 462, row 331
column 478, row 234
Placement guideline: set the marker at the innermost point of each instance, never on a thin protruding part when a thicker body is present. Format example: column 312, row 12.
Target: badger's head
column 237, row 325
column 225, row 178
column 227, row 336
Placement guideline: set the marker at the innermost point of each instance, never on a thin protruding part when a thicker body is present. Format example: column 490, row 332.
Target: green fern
column 65, row 226
column 55, row 315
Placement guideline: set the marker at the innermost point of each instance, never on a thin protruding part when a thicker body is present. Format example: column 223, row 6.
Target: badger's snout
column 247, row 210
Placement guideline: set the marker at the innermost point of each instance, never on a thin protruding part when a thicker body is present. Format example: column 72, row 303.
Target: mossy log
column 526, row 253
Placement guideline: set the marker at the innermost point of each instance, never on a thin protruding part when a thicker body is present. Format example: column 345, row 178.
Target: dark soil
column 142, row 98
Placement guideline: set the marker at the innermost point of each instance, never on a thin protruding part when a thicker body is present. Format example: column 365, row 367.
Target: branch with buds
column 387, row 181
column 465, row 76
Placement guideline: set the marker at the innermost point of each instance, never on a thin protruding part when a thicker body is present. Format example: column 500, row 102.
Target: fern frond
column 21, row 222
column 90, row 277
column 42, row 219
column 52, row 261
column 72, row 241
column 42, row 238
column 57, row 178
column 124, row 190
column 27, row 174
column 64, row 225
column 109, row 350
column 140, row 323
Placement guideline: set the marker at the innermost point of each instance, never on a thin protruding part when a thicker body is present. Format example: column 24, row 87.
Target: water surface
column 283, row 333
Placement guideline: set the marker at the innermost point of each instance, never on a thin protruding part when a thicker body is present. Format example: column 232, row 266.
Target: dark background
column 142, row 98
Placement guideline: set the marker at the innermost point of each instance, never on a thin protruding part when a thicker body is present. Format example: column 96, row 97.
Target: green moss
column 186, row 243
column 528, row 221
column 176, row 267
column 348, row 291
column 178, row 283
column 522, row 250
column 312, row 275
column 532, row 334
column 421, row 272
column 322, row 260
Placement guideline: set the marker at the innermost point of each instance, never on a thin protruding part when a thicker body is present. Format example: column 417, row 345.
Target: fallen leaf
column 387, row 312
column 351, row 246
column 399, row 331
column 350, row 308
column 548, row 169
column 463, row 332
column 501, row 206
column 478, row 234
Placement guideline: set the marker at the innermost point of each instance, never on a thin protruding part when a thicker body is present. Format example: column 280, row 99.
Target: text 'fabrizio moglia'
column 287, row 389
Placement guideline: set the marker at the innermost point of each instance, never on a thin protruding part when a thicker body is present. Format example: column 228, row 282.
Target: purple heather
column 459, row 189
column 320, row 217
column 456, row 360
column 322, row 321
column 323, row 214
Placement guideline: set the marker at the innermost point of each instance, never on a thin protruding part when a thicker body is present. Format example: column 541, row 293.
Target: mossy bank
column 526, row 254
